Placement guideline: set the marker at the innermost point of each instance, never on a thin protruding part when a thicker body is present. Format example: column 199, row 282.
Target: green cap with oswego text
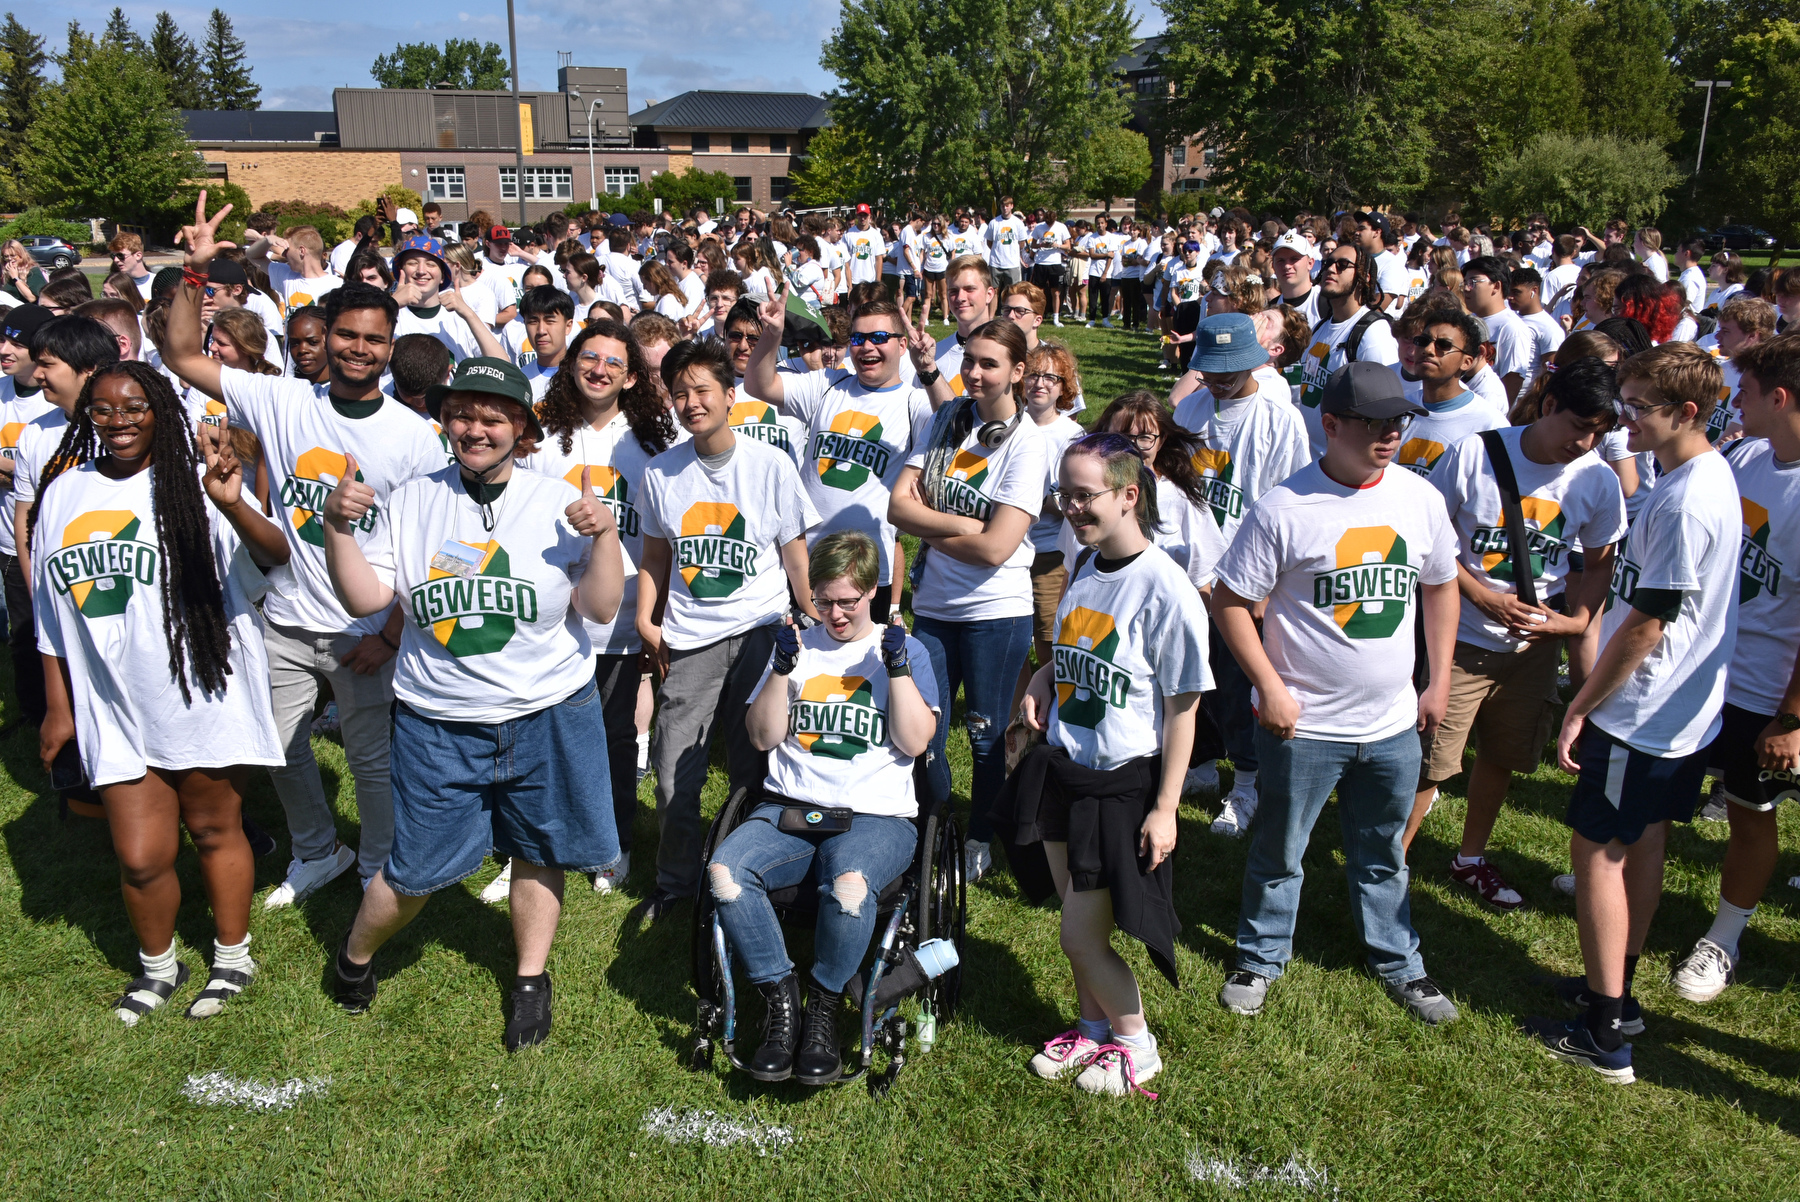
column 497, row 377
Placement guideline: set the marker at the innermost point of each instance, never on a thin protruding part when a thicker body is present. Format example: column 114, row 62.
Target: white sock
column 1463, row 861
column 1097, row 1029
column 643, row 741
column 1728, row 927
column 1143, row 1041
column 235, row 956
column 157, row 968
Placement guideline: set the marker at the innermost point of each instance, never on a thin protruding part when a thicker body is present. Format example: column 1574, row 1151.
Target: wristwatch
column 928, row 378
column 1788, row 721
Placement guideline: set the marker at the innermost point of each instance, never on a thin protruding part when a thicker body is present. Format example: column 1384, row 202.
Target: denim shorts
column 537, row 787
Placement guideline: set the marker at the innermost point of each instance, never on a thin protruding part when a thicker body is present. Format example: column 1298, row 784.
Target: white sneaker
column 1063, row 1055
column 1117, row 1070
column 1564, row 883
column 307, row 877
column 1059, row 319
column 1202, row 779
column 613, row 875
column 500, row 888
column 977, row 859
column 1705, row 973
column 1236, row 811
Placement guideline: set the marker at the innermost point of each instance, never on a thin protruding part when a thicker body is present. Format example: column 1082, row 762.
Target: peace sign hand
column 351, row 500
column 921, row 345
column 589, row 517
column 201, row 238
column 774, row 310
column 224, row 479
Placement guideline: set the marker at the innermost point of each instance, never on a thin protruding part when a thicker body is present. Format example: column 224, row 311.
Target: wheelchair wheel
column 942, row 911
column 708, row 973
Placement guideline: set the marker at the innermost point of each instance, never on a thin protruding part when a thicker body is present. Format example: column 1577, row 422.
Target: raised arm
column 485, row 341
column 184, row 350
column 761, row 380
column 224, row 484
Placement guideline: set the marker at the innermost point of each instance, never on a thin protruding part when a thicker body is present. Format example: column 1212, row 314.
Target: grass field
column 1332, row 1092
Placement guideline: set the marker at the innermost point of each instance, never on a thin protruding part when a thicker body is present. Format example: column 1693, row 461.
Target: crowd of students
column 547, row 516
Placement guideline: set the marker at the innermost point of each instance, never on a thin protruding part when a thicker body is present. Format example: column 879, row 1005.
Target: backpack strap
column 1369, row 317
column 1514, row 515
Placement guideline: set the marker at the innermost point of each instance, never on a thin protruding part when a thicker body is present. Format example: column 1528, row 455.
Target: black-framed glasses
column 743, row 336
column 872, row 337
column 1043, row 377
column 1018, row 311
column 1333, row 263
column 847, row 604
column 1143, row 442
column 1444, row 345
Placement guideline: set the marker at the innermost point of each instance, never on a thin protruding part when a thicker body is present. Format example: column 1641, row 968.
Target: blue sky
column 300, row 52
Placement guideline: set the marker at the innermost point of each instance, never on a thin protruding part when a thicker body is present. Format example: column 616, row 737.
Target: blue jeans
column 756, row 858
column 1375, row 784
column 984, row 658
column 1229, row 704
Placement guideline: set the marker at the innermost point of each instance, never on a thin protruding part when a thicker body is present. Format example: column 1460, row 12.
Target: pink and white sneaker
column 1067, row 1052
column 1117, row 1070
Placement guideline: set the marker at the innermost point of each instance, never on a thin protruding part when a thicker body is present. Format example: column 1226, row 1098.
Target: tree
column 119, row 32
column 680, row 191
column 461, row 63
column 176, row 59
column 839, row 167
column 1755, row 133
column 1110, row 163
column 968, row 100
column 225, row 79
column 107, row 143
column 1630, row 90
column 1584, row 180
column 21, row 88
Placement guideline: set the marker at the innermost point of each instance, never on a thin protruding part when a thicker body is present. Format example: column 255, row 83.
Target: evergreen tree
column 226, row 82
column 21, row 87
column 1631, row 92
column 119, row 33
column 174, row 56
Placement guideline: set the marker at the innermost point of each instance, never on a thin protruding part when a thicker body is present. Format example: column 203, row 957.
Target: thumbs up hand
column 586, row 514
column 351, row 500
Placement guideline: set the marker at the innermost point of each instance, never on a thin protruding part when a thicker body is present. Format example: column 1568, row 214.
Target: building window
column 1209, row 157
column 444, row 183
column 702, row 143
column 541, row 183
column 1190, row 185
column 743, row 187
column 1178, row 154
column 740, row 143
column 778, row 144
column 1148, row 85
column 218, row 170
column 620, row 180
column 780, row 188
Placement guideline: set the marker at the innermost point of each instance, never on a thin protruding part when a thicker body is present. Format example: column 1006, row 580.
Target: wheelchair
column 925, row 902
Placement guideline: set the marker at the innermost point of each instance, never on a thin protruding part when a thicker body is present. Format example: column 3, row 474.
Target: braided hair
column 560, row 411
column 193, row 601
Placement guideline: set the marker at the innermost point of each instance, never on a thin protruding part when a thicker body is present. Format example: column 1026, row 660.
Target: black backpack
column 1353, row 340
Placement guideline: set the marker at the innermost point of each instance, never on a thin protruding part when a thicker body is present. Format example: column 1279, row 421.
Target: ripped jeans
column 854, row 868
column 984, row 658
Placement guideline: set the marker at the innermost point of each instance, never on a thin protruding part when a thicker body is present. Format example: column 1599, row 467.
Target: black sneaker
column 354, row 993
column 659, row 905
column 1574, row 991
column 530, row 1021
column 1573, row 1044
column 262, row 843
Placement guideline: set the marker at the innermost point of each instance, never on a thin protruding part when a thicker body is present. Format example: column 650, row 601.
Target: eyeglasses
column 1631, row 411
column 1333, row 263
column 1381, row 426
column 1044, row 378
column 1444, row 345
column 1470, row 281
column 131, row 415
column 741, row 336
column 827, row 604
column 1078, row 500
column 596, row 359
column 873, row 337
column 1016, row 312
column 1143, row 441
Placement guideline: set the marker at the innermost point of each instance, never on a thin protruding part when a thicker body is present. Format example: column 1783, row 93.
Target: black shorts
column 1733, row 754
column 934, row 276
column 1622, row 791
column 1049, row 275
column 914, row 288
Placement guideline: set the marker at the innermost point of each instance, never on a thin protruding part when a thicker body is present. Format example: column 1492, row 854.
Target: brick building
column 1178, row 163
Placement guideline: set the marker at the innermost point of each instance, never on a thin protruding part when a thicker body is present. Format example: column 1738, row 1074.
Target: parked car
column 49, row 251
column 1739, row 237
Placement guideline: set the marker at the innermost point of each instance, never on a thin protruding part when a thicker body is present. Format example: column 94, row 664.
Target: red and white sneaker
column 1482, row 877
column 1063, row 1055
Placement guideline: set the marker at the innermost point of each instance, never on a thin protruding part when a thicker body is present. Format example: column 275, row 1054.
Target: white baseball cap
column 1293, row 240
column 406, row 217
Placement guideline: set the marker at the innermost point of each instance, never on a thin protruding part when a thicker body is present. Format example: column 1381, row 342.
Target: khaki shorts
column 1048, row 575
column 1506, row 699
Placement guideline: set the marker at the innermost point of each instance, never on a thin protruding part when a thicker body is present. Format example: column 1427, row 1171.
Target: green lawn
column 1333, row 1080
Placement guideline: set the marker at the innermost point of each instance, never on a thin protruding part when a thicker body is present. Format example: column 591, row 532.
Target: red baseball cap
column 862, row 208
column 499, row 234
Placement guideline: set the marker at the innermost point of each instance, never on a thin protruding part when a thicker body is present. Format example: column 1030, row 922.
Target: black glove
column 787, row 650
column 893, row 650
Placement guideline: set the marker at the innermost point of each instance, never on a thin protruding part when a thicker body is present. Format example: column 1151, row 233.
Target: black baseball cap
column 21, row 322
column 226, row 271
column 1367, row 390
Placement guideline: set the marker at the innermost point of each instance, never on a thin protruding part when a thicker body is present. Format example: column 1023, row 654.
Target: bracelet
column 382, row 635
column 190, row 276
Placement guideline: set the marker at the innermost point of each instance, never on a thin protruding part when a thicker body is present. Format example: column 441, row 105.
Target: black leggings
column 1100, row 296
column 1132, row 291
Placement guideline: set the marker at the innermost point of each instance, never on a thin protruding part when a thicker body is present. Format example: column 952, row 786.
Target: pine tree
column 175, row 58
column 21, row 87
column 119, row 33
column 226, row 82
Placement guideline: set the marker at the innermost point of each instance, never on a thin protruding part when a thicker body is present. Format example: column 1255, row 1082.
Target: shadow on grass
column 1667, row 1063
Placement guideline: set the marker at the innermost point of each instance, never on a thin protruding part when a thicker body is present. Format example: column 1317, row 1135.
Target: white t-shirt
column 1565, row 506
column 1658, row 263
column 1546, row 336
column 304, row 441
column 1442, row 427
column 977, row 482
column 725, row 529
column 1768, row 623
column 1186, row 283
column 949, row 359
column 837, row 750
column 866, row 249
column 1124, row 640
column 15, row 415
column 937, row 251
column 295, row 290
column 504, row 280
column 1248, row 448
column 755, row 418
column 855, row 442
column 1047, row 232
column 38, row 441
column 616, row 463
column 1341, row 569
column 1046, row 531
column 1687, row 537
column 339, row 258
column 1693, row 282
column 1004, row 235
column 98, row 602
column 1513, row 342
column 1556, row 280
column 808, row 279
column 968, row 242
column 1326, row 355
column 446, row 326
column 491, row 630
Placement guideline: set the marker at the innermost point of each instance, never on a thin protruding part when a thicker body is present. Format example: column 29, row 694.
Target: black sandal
column 230, row 976
column 162, row 989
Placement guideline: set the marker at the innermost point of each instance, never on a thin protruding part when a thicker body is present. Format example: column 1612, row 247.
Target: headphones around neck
column 992, row 434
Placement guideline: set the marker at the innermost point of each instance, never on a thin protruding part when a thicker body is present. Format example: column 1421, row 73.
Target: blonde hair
column 307, row 238
column 1678, row 373
column 249, row 335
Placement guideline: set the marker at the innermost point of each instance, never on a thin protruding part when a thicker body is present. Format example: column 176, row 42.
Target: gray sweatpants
column 706, row 688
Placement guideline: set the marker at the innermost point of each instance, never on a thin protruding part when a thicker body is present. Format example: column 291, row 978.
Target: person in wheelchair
column 843, row 717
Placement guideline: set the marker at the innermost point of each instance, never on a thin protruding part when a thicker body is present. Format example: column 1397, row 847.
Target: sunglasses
column 1443, row 345
column 873, row 337
column 1381, row 426
column 741, row 336
column 1333, row 263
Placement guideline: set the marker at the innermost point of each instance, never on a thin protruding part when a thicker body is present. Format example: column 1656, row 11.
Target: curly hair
column 193, row 601
column 650, row 420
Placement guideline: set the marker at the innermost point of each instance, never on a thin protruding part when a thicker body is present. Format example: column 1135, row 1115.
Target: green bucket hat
column 497, row 377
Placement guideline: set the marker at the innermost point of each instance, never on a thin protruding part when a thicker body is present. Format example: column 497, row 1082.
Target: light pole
column 512, row 42
column 1705, row 113
column 593, row 185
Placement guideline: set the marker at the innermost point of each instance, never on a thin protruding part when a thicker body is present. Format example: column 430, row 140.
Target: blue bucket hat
column 423, row 244
column 1226, row 342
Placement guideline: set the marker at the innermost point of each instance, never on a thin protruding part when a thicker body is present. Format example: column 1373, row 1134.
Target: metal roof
column 737, row 110
column 258, row 125
column 1139, row 59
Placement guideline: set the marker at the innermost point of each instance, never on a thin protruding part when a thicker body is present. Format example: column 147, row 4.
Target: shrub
column 402, row 198
column 43, row 223
column 333, row 223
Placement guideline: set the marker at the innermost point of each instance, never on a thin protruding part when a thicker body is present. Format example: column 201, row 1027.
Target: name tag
column 458, row 559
